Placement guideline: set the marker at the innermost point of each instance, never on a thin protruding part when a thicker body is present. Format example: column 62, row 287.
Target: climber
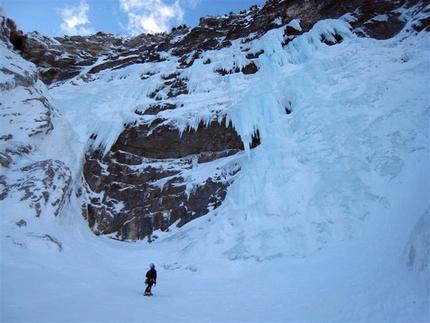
column 151, row 279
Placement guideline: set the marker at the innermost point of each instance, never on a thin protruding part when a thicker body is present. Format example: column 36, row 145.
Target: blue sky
column 128, row 17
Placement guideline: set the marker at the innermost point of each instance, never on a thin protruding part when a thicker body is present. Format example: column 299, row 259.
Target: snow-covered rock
column 28, row 176
column 202, row 95
column 417, row 251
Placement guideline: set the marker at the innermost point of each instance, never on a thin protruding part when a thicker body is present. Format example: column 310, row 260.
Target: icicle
column 105, row 135
column 190, row 187
column 256, row 111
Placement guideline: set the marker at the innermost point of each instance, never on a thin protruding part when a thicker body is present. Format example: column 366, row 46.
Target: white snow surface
column 327, row 221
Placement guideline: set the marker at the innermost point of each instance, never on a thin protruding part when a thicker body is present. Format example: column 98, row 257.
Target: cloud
column 74, row 19
column 193, row 3
column 151, row 16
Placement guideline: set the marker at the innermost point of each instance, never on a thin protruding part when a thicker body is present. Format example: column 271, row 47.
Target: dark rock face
column 164, row 142
column 147, row 182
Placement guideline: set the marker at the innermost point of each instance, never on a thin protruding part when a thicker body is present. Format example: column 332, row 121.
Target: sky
column 126, row 17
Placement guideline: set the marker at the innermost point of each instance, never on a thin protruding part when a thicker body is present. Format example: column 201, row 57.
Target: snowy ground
column 326, row 222
column 101, row 280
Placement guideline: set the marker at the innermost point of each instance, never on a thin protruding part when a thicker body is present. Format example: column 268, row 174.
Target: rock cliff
column 144, row 181
column 27, row 114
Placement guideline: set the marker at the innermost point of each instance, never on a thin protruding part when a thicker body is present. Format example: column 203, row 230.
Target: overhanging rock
column 150, row 179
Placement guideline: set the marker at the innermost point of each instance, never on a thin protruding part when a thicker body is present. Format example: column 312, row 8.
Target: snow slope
column 326, row 222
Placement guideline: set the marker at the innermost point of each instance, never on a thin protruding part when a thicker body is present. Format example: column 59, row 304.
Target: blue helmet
column 151, row 266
